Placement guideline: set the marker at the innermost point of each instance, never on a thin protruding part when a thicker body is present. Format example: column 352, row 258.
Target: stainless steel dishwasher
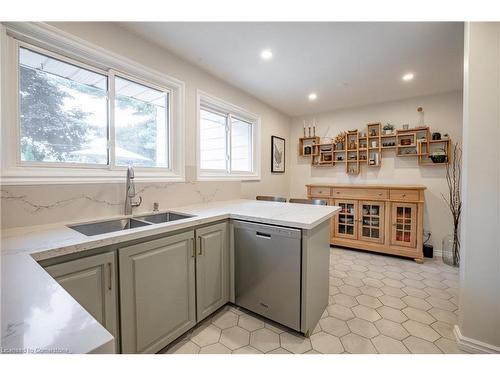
column 268, row 271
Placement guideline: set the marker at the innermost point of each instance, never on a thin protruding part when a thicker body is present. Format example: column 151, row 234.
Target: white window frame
column 52, row 42
column 205, row 100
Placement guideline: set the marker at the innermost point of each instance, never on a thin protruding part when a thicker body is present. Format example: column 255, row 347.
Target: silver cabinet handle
column 110, row 275
column 193, row 249
column 200, row 250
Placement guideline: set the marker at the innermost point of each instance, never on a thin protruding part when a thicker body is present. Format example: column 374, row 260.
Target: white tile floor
column 378, row 304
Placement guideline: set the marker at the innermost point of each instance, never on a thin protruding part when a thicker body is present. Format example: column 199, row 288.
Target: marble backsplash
column 43, row 204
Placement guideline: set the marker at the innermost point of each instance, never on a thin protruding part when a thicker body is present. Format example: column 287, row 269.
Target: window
column 228, row 140
column 63, row 113
column 80, row 120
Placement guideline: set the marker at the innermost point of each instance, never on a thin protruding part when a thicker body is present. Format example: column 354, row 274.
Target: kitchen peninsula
column 39, row 316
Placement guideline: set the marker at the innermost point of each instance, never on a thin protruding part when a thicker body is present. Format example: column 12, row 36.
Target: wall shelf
column 361, row 146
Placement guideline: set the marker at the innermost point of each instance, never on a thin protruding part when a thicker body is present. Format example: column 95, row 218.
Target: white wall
column 443, row 113
column 30, row 205
column 479, row 309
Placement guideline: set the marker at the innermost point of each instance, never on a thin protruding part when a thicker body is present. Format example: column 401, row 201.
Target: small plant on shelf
column 388, row 128
column 439, row 156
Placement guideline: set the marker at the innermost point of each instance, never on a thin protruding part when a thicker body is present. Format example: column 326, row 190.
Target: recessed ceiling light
column 313, row 96
column 266, row 54
column 408, row 77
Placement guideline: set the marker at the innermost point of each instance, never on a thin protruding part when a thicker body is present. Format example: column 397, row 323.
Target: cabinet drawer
column 320, row 191
column 404, row 195
column 360, row 193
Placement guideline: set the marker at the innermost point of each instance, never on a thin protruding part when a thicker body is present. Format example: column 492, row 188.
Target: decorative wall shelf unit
column 382, row 218
column 307, row 142
column 367, row 148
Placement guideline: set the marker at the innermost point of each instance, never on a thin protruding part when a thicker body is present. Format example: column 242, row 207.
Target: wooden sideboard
column 382, row 218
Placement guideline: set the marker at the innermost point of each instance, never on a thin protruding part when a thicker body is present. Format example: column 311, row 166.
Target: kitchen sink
column 163, row 217
column 108, row 226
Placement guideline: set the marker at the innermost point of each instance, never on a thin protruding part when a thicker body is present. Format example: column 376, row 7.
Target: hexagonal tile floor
column 378, row 304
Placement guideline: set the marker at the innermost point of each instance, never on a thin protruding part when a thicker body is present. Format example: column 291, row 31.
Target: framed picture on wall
column 277, row 154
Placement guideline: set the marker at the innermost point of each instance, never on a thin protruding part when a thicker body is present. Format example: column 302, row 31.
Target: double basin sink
column 108, row 226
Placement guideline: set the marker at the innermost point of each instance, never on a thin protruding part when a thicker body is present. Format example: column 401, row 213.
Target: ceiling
column 347, row 64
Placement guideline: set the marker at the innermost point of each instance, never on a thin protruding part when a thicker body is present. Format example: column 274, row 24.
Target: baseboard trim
column 472, row 345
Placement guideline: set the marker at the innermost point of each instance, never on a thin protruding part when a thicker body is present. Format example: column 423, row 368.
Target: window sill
column 86, row 178
column 228, row 178
column 82, row 180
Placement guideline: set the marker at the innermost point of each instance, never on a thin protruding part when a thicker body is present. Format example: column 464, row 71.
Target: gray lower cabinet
column 212, row 269
column 92, row 282
column 157, row 292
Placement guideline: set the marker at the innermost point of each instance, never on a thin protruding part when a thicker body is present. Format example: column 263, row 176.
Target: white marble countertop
column 38, row 315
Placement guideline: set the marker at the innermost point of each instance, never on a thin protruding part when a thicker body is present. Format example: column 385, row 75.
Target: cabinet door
column 346, row 220
column 92, row 282
column 212, row 269
column 157, row 292
column 371, row 223
column 404, row 224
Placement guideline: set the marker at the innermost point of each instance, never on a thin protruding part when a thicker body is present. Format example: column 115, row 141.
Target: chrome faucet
column 130, row 192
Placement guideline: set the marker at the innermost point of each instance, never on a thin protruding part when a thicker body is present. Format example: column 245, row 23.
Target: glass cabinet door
column 371, row 223
column 346, row 220
column 404, row 226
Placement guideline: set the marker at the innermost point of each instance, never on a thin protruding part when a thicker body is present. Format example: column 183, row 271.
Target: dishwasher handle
column 267, row 236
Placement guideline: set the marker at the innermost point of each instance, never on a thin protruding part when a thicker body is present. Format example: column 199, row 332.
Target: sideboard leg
column 419, row 260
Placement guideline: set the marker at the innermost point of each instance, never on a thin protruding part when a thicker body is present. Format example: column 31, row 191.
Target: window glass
column 241, row 145
column 213, row 141
column 63, row 111
column 141, row 125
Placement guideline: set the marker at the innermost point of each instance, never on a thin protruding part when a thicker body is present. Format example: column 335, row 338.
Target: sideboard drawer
column 404, row 195
column 360, row 193
column 320, row 191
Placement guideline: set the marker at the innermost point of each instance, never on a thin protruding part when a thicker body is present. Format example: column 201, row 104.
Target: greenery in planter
column 388, row 127
column 438, row 156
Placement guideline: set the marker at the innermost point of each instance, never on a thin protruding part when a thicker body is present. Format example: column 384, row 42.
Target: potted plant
column 388, row 128
column 438, row 156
